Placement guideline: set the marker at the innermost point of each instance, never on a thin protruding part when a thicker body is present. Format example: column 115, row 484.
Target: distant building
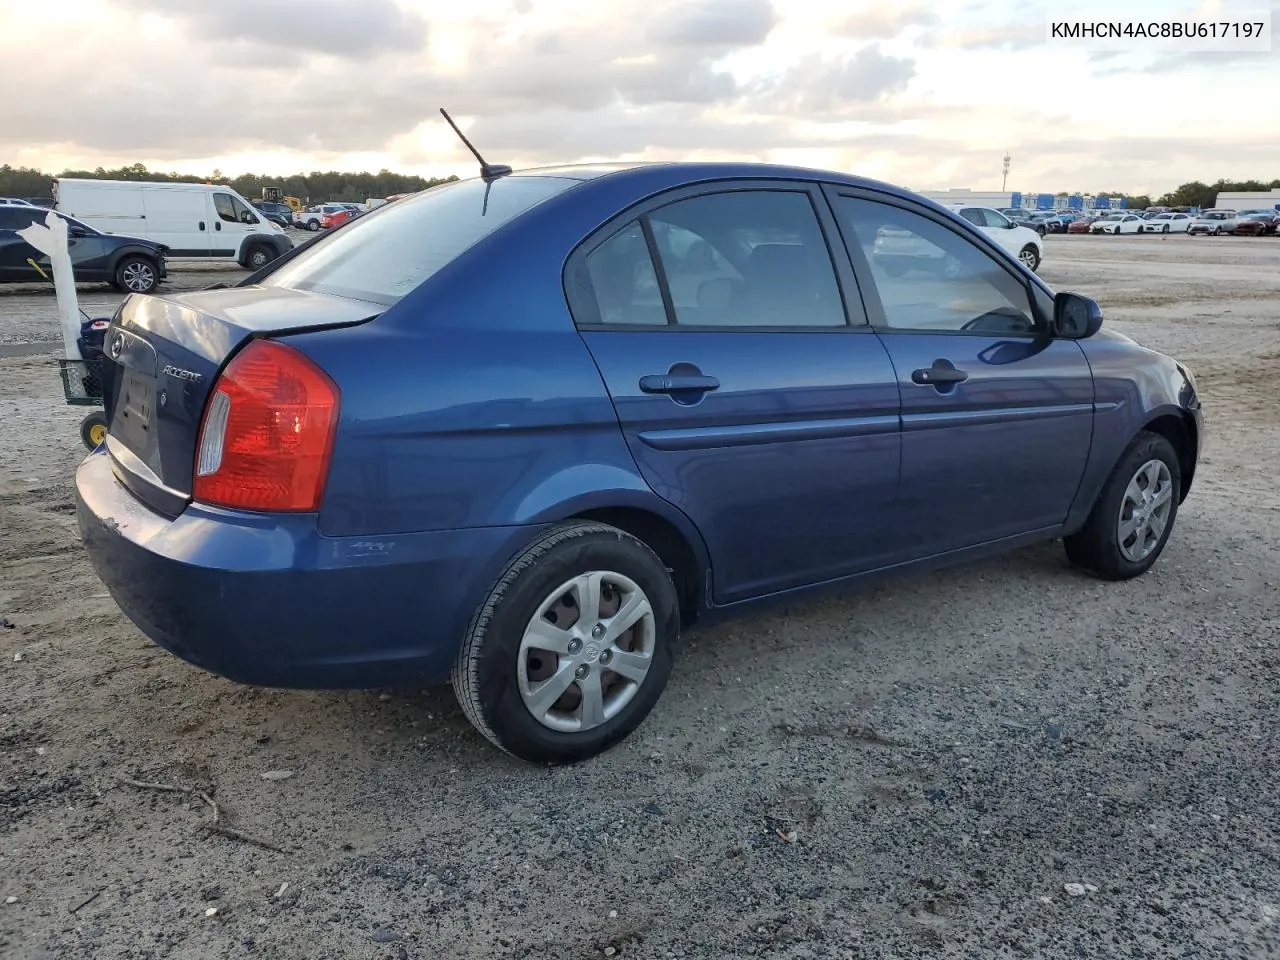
column 1026, row 201
column 1248, row 201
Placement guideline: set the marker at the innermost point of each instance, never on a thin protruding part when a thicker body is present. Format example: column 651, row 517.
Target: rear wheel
column 1131, row 521
column 573, row 646
column 313, row 225
column 136, row 275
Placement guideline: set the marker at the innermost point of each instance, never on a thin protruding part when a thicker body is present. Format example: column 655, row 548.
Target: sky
column 929, row 95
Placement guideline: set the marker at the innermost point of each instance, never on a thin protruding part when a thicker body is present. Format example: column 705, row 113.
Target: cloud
column 1018, row 36
column 722, row 24
column 885, row 22
column 335, row 27
column 819, row 88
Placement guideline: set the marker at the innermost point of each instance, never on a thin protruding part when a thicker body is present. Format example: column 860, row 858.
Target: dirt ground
column 920, row 770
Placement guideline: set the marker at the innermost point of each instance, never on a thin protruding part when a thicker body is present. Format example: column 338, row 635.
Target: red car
column 1081, row 226
column 1257, row 225
column 337, row 219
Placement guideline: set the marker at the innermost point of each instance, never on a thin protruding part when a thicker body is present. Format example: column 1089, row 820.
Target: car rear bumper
column 269, row 601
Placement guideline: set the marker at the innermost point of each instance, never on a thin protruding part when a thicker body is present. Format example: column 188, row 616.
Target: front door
column 752, row 394
column 233, row 221
column 997, row 417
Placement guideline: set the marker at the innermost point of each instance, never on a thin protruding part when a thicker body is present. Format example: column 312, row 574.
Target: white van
column 194, row 220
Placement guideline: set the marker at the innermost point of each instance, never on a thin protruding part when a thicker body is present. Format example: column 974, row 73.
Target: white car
column 1118, row 223
column 1214, row 223
column 1167, row 223
column 1023, row 242
column 14, row 202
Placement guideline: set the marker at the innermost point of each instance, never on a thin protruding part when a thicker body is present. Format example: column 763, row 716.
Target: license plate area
column 135, row 411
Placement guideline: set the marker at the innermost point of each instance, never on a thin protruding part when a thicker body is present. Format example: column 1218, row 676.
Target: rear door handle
column 939, row 374
column 201, row 224
column 678, row 383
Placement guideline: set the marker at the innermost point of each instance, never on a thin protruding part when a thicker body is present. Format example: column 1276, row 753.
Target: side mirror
column 1076, row 317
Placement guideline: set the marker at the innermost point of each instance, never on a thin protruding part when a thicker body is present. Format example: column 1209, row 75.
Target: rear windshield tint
column 383, row 255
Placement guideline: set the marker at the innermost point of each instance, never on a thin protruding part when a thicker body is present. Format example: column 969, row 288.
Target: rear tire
column 1134, row 514
column 515, row 658
column 136, row 275
column 313, row 225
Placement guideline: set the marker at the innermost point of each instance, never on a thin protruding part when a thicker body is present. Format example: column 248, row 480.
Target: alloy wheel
column 138, row 277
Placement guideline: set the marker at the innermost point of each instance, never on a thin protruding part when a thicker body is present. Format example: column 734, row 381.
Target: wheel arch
column 649, row 518
column 1179, row 428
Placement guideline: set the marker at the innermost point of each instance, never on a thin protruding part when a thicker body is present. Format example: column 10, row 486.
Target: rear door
column 14, row 250
column 751, row 392
column 997, row 417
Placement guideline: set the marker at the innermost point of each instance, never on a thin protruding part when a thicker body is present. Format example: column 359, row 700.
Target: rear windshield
column 384, row 255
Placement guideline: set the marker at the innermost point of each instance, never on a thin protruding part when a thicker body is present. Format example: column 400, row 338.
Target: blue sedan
column 520, row 431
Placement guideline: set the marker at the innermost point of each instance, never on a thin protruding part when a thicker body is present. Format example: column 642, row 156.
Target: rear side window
column 743, row 258
column 384, row 255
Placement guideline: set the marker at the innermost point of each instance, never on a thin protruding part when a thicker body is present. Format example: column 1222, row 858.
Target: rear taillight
column 267, row 433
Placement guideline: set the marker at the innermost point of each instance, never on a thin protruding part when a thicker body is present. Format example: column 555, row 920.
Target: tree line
column 318, row 186
column 315, row 187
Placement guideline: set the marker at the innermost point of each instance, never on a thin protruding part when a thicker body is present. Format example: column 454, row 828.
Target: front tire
column 1133, row 517
column 259, row 256
column 1030, row 257
column 136, row 275
column 93, row 430
column 313, row 225
column 573, row 646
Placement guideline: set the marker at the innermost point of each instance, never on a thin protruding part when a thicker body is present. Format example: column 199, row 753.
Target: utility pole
column 1004, row 183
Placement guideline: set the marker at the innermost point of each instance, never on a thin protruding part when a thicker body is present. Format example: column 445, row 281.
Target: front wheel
column 573, row 646
column 1030, row 257
column 313, row 225
column 259, row 256
column 136, row 275
column 1131, row 521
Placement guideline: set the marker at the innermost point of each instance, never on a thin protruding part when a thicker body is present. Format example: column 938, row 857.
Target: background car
column 312, row 218
column 338, row 217
column 280, row 214
column 130, row 264
column 1256, row 225
column 1213, row 223
column 1117, row 223
column 1020, row 241
column 1081, row 224
column 1167, row 223
column 15, row 202
column 459, row 439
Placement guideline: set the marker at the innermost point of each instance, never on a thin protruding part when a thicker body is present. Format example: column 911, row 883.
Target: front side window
column 225, row 208
column 385, row 255
column 993, row 218
column 931, row 278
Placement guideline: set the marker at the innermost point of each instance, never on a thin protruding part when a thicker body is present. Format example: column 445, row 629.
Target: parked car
column 1021, row 242
column 1167, row 223
column 15, row 202
column 1213, row 223
column 193, row 220
column 312, row 218
column 1117, row 223
column 281, row 214
column 484, row 436
column 338, row 217
column 1256, row 225
column 1023, row 218
column 130, row 264
column 1081, row 224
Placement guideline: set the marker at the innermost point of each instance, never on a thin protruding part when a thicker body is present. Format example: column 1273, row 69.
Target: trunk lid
column 161, row 358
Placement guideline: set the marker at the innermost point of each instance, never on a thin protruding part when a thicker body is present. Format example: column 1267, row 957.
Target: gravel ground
column 928, row 769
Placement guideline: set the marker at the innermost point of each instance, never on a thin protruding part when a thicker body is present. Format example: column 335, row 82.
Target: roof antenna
column 489, row 171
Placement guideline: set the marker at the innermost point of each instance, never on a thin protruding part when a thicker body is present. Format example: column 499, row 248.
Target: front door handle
column 217, row 224
column 678, row 383
column 942, row 373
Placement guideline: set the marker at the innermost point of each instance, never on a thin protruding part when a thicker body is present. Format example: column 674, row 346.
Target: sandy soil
column 914, row 771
